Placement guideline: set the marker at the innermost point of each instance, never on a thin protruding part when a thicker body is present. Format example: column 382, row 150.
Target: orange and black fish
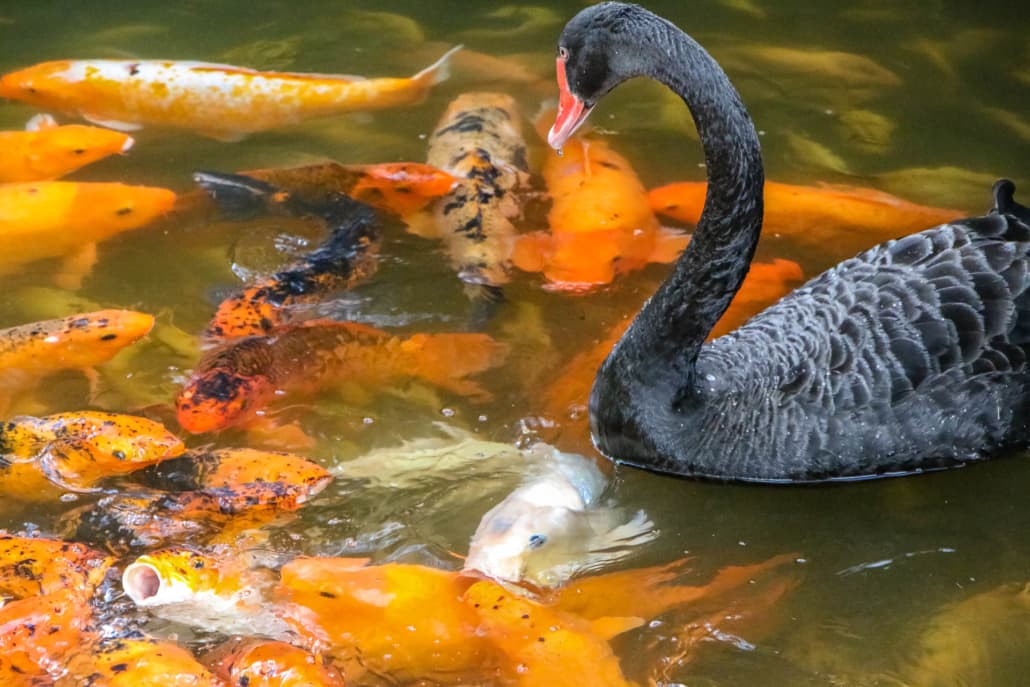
column 345, row 258
column 479, row 140
column 241, row 377
column 136, row 662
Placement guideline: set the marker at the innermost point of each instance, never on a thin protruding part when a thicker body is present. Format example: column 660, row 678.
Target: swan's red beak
column 571, row 111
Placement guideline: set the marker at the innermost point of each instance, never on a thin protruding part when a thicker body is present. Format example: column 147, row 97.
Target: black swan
column 910, row 356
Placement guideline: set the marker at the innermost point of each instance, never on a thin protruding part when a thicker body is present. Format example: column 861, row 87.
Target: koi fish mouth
column 572, row 111
column 141, row 582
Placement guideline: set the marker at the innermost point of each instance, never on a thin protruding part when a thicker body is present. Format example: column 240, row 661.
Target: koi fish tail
column 446, row 359
column 437, row 72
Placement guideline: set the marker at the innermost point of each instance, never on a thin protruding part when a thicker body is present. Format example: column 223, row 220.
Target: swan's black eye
column 536, row 541
column 563, row 52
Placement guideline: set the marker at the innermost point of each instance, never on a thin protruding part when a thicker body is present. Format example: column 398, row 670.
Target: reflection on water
column 926, row 99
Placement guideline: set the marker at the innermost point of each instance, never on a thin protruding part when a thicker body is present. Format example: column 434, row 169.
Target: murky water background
column 878, row 558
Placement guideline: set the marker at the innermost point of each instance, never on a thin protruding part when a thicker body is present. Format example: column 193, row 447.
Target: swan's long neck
column 676, row 321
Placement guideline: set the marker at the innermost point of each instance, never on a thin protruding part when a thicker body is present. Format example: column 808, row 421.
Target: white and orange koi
column 217, row 100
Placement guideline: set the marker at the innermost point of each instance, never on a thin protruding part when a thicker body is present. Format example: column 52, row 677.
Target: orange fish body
column 268, row 663
column 53, row 151
column 31, row 352
column 38, row 635
column 219, row 101
column 75, row 450
column 137, row 663
column 37, row 565
column 239, row 378
column 58, row 219
column 849, row 218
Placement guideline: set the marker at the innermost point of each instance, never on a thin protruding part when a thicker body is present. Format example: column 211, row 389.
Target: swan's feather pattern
column 909, row 356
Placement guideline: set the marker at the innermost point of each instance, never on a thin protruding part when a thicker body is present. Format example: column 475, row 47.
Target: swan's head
column 598, row 50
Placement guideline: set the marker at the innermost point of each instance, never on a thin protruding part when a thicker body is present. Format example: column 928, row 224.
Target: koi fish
column 601, row 224
column 268, row 663
column 219, row 101
column 401, row 188
column 236, row 380
column 479, row 140
column 31, row 352
column 847, row 217
column 51, row 151
column 215, row 592
column 36, row 565
column 38, row 635
column 345, row 258
column 64, row 219
column 137, row 662
column 565, row 399
column 554, row 526
column 75, row 450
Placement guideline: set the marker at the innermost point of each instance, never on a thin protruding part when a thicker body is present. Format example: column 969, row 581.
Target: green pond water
column 875, row 561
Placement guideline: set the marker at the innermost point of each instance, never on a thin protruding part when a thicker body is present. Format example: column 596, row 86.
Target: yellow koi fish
column 140, row 662
column 65, row 219
column 36, row 565
column 217, row 100
column 50, row 151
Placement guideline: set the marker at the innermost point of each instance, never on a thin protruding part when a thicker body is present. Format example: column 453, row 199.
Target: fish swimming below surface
column 48, row 151
column 31, row 352
column 849, row 218
column 479, row 140
column 554, row 526
column 236, row 380
column 345, row 258
column 219, row 101
column 257, row 662
column 66, row 219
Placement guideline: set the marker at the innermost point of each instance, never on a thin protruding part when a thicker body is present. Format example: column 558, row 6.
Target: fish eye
column 563, row 52
column 537, row 540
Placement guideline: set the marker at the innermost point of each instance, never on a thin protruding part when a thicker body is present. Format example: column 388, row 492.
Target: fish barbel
column 51, row 151
column 219, row 101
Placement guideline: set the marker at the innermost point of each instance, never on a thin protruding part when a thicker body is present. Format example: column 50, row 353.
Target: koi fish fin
column 76, row 266
column 668, row 244
column 112, row 123
column 437, row 72
column 444, row 359
column 609, row 544
column 269, row 433
column 608, row 627
column 41, row 122
column 529, row 254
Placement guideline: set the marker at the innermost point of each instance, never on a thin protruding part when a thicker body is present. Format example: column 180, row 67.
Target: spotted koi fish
column 73, row 451
column 479, row 140
column 345, row 258
column 137, row 662
column 65, row 219
column 269, row 663
column 216, row 100
column 31, row 352
column 234, row 381
column 48, row 151
column 39, row 634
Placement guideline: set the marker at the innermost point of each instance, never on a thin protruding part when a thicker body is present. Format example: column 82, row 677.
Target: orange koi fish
column 216, row 100
column 35, row 565
column 137, row 663
column 38, row 634
column 75, row 450
column 31, row 352
column 344, row 259
column 398, row 187
column 479, row 140
column 50, row 151
column 268, row 663
column 848, row 218
column 565, row 400
column 64, row 219
column 600, row 221
column 236, row 380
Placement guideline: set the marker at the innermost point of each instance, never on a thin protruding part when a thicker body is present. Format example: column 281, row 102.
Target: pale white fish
column 554, row 526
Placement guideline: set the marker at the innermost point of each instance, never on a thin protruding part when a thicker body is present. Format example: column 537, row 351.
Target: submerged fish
column 31, row 352
column 220, row 101
column 39, row 634
column 39, row 565
column 554, row 526
column 479, row 140
column 269, row 663
column 136, row 662
column 75, row 450
column 232, row 382
column 848, row 218
column 346, row 257
column 65, row 219
column 600, row 222
column 50, row 151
